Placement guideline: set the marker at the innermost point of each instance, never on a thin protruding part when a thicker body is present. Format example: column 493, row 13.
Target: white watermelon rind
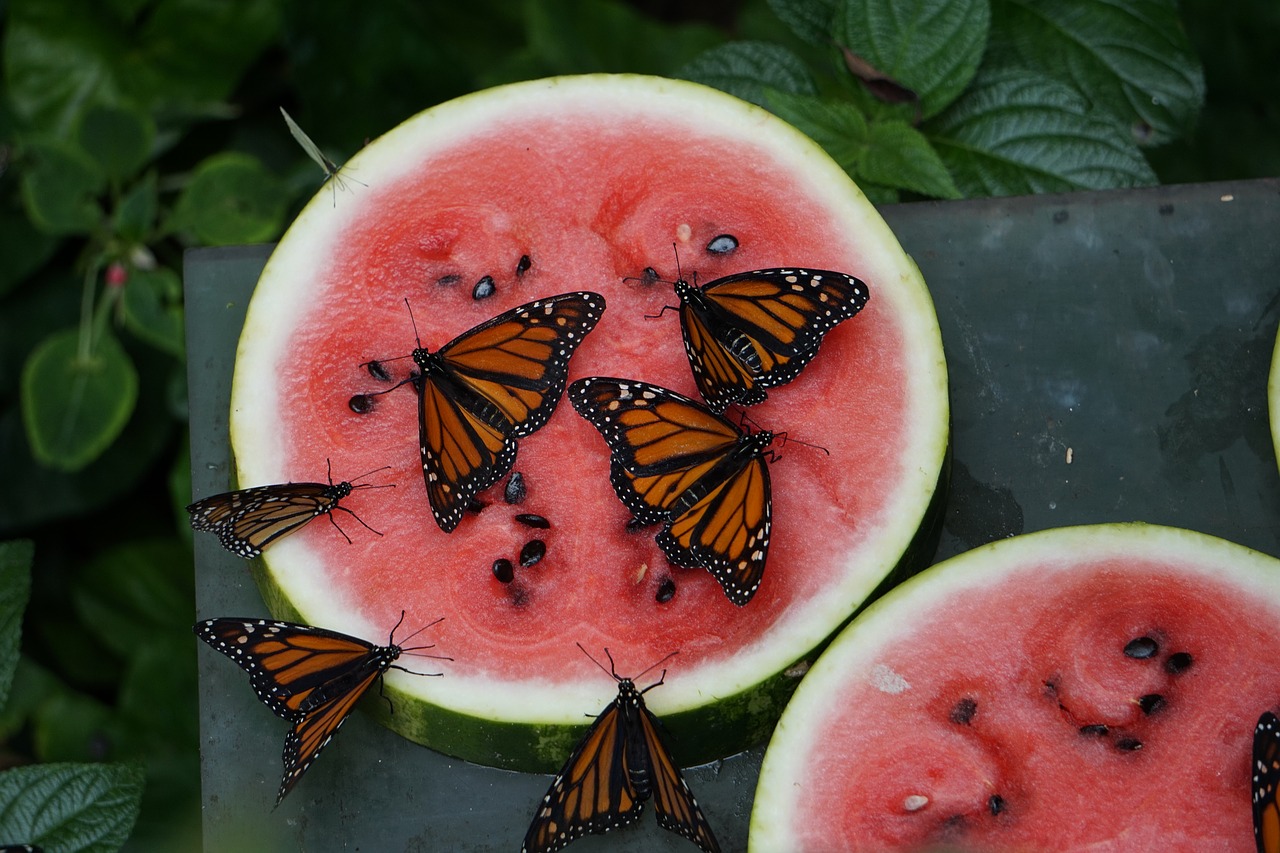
column 784, row 772
column 739, row 697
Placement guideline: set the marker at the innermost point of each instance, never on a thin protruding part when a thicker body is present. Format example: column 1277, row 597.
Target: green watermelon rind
column 783, row 769
column 481, row 723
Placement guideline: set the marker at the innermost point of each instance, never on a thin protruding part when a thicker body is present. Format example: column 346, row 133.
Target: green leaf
column 1131, row 57
column 15, row 589
column 75, row 404
column 136, row 213
column 81, row 807
column 73, row 726
column 232, row 198
column 1018, row 132
column 32, row 686
column 135, row 594
column 886, row 153
column 23, row 248
column 118, row 139
column 152, row 305
column 811, row 20
column 932, row 47
column 746, row 68
column 60, row 189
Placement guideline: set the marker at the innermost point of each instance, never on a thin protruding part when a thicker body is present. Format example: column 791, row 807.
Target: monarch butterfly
column 674, row 461
column 620, row 762
column 249, row 520
column 311, row 677
column 1266, row 779
column 490, row 386
column 751, row 331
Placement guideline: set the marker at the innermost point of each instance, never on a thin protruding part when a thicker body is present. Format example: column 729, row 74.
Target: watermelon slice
column 1091, row 687
column 526, row 191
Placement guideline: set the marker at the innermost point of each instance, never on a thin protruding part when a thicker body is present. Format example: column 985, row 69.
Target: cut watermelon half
column 541, row 188
column 1086, row 688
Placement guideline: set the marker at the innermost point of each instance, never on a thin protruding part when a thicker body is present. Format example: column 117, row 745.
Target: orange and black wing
column 1266, row 783
column 249, row 520
column 677, row 809
column 490, row 386
column 592, row 793
column 676, row 462
column 751, row 331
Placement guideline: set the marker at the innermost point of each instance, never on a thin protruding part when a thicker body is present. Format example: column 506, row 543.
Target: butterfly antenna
column 413, row 322
column 784, row 438
column 416, row 633
column 611, row 671
column 654, row 666
column 356, row 484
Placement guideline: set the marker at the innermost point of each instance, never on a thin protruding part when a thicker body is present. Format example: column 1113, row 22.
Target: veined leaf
column 747, row 68
column 15, row 588
column 809, row 19
column 83, row 807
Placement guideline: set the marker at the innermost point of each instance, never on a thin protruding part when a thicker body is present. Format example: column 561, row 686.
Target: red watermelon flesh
column 591, row 200
column 990, row 705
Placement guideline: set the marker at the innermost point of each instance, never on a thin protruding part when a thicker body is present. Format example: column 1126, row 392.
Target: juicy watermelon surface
column 990, row 704
column 593, row 185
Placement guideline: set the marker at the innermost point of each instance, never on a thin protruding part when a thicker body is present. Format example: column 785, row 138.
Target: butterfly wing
column 593, row 791
column 755, row 330
column 674, row 803
column 1266, row 783
column 287, row 662
column 248, row 520
column 490, row 386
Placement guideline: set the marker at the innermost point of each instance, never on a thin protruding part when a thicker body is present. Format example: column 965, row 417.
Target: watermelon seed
column 914, row 802
column 723, row 244
column 515, row 491
column 666, row 590
column 962, row 713
column 451, row 278
column 1142, row 648
column 1094, row 730
column 378, row 371
column 529, row 519
column 484, row 288
column 649, row 276
column 532, row 552
column 1178, row 663
column 503, row 570
column 1128, row 744
column 1151, row 703
column 995, row 804
column 361, row 404
column 523, row 265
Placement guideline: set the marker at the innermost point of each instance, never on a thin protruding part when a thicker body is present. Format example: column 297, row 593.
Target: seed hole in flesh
column 722, row 244
column 1178, row 663
column 1094, row 730
column 962, row 712
column 378, row 371
column 522, row 266
column 1141, row 648
column 1128, row 744
column 515, row 491
column 1151, row 703
column 666, row 590
column 532, row 552
column 529, row 519
column 484, row 288
column 451, row 278
column 503, row 570
column 361, row 404
column 995, row 804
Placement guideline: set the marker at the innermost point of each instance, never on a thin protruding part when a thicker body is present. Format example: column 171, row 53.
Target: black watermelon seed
column 666, row 590
column 1178, row 663
column 1094, row 730
column 650, row 275
column 516, row 491
column 995, row 804
column 532, row 552
column 522, row 266
column 1128, row 744
column 361, row 404
column 451, row 278
column 476, row 505
column 962, row 713
column 503, row 570
column 529, row 519
column 1151, row 703
column 722, row 244
column 378, row 371
column 1142, row 648
column 484, row 288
